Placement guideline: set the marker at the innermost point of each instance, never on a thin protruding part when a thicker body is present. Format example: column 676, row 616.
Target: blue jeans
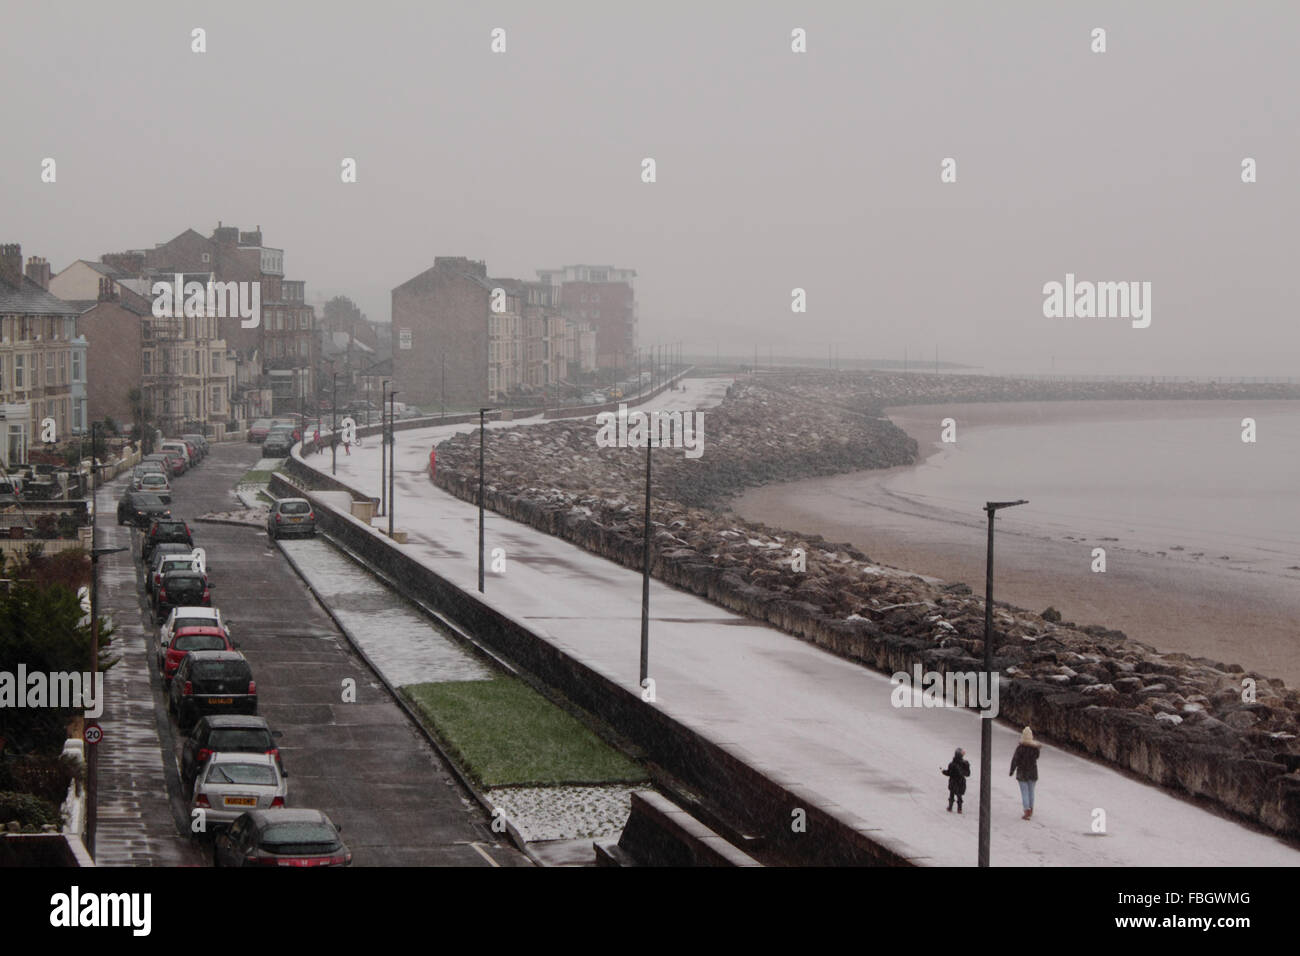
column 1027, row 793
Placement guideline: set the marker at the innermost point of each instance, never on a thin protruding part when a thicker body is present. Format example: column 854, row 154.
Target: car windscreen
column 172, row 565
column 194, row 622
column 198, row 642
column 299, row 838
column 220, row 670
column 248, row 774
column 240, row 738
column 294, row 507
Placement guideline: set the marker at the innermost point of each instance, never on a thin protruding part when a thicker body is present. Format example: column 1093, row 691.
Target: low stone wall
column 762, row 805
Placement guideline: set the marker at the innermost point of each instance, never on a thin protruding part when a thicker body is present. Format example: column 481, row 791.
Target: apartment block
column 42, row 359
column 603, row 298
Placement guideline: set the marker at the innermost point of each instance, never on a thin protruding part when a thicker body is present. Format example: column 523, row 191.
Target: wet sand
column 1232, row 613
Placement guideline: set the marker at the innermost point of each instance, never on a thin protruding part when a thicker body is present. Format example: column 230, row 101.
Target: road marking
column 483, row 853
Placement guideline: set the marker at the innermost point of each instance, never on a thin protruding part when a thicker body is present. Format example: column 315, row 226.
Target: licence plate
column 221, row 700
column 320, row 862
column 241, row 801
column 295, row 520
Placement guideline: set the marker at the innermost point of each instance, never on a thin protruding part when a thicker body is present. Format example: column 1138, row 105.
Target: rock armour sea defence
column 1177, row 721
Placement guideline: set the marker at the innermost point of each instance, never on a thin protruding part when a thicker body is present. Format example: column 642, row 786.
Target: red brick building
column 604, row 298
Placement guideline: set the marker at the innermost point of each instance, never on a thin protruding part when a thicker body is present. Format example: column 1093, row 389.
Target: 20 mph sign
column 92, row 734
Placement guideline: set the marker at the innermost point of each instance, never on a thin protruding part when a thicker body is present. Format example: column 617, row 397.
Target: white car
column 233, row 783
column 156, row 483
column 190, row 617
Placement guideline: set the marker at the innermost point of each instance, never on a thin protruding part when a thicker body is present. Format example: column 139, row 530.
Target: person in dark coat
column 957, row 772
column 1024, row 764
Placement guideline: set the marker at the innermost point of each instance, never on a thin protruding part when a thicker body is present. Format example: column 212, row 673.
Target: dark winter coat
column 957, row 773
column 1024, row 762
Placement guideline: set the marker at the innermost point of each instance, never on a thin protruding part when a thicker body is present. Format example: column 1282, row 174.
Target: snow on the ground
column 823, row 725
column 564, row 813
column 400, row 641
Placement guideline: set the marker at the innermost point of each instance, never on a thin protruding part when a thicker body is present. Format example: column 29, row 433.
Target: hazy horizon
column 775, row 170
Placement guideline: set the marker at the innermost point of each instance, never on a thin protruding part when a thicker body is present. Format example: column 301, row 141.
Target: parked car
column 278, row 444
column 257, row 431
column 201, row 441
column 147, row 467
column 281, row 838
column 211, row 682
column 176, row 558
column 183, row 588
column 191, row 617
column 196, row 454
column 141, row 508
column 165, row 529
column 188, row 639
column 231, row 784
column 226, row 733
column 155, row 482
column 180, row 449
column 291, row 516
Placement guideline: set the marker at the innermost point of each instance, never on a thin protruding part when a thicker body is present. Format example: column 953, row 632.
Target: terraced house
column 42, row 359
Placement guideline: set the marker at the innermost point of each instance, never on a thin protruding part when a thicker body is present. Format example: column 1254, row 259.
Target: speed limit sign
column 92, row 734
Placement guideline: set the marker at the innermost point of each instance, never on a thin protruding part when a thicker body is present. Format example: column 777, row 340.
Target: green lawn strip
column 506, row 734
column 256, row 478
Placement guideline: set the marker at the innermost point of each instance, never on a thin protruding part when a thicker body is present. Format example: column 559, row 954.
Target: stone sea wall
column 1177, row 721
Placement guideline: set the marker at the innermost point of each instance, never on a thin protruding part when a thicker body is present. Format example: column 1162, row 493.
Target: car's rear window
column 198, row 642
column 295, row 508
column 171, row 527
column 262, row 423
column 249, row 774
column 216, row 670
column 299, row 838
column 177, row 564
column 195, row 622
column 240, row 738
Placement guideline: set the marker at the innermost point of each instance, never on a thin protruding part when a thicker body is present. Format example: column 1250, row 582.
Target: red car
column 188, row 639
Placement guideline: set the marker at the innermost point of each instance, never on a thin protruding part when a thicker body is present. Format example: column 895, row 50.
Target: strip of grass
column 506, row 734
column 256, row 478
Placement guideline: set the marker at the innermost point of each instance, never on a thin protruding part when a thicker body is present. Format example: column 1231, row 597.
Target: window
column 147, row 363
column 49, row 367
column 216, row 363
column 20, row 362
column 76, row 365
column 206, row 257
column 216, row 398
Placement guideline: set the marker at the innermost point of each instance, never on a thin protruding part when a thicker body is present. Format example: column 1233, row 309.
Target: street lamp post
column 986, row 722
column 334, row 428
column 482, row 431
column 645, row 575
column 383, row 444
column 392, row 459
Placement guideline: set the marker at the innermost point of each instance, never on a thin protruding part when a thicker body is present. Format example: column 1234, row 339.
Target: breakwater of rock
column 1204, row 727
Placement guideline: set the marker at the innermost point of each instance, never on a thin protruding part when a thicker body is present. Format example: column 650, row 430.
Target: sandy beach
column 1170, row 592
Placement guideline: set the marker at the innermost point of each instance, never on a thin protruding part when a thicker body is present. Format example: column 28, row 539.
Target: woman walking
column 1024, row 764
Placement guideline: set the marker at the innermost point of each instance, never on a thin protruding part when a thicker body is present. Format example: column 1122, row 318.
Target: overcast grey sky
column 775, row 169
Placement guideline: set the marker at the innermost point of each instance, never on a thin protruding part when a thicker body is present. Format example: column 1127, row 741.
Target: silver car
column 291, row 516
column 234, row 783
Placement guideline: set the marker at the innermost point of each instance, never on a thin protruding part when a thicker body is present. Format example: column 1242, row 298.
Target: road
column 361, row 762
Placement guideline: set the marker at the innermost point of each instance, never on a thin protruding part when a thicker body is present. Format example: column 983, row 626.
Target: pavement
column 824, row 726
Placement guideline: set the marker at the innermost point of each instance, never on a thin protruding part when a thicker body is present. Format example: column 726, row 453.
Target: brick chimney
column 107, row 290
column 38, row 270
column 11, row 264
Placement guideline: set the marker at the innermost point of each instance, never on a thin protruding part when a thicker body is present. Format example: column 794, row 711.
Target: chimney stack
column 38, row 270
column 11, row 264
column 107, row 290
